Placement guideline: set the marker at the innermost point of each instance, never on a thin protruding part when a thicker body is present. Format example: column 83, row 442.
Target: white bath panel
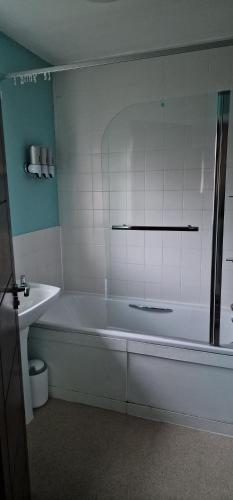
column 171, row 417
column 181, row 386
column 95, row 369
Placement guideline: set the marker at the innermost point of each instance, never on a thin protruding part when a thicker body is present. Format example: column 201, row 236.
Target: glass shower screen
column 158, row 162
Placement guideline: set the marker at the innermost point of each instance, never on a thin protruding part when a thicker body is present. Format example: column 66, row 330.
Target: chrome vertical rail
column 218, row 217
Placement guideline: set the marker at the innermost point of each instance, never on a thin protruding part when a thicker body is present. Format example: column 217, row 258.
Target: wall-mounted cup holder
column 41, row 163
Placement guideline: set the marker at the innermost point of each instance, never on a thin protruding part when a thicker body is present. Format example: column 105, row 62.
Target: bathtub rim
column 176, row 342
column 139, row 337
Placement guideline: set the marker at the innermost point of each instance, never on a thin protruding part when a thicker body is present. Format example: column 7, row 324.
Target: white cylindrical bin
column 38, row 372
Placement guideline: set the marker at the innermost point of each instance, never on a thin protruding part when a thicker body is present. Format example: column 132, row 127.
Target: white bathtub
column 150, row 364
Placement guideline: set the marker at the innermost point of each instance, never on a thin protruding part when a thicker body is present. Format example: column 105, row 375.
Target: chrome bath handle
column 151, row 308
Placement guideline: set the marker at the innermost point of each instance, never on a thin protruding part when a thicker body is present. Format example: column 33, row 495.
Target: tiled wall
column 170, row 266
column 38, row 256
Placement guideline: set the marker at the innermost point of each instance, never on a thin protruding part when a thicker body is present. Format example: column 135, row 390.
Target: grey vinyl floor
column 84, row 453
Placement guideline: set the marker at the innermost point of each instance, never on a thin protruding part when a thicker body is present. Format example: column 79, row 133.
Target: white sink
column 29, row 311
column 34, row 306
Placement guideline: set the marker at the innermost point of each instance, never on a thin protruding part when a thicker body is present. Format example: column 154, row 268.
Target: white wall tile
column 98, row 202
column 135, row 200
column 74, row 182
column 84, row 163
column 154, row 181
column 171, row 257
column 194, row 180
column 136, row 217
column 135, row 254
column 172, row 217
column 194, row 158
column 153, row 256
column 191, row 240
column 135, row 238
column 190, row 285
column 135, row 181
column 191, row 258
column 155, row 160
column 154, row 136
column 173, row 200
column 118, row 200
column 154, row 238
column 174, row 159
column 118, row 254
column 117, row 181
column 117, row 162
column 171, row 283
column 97, row 180
column 154, row 200
column 171, row 239
column 152, row 291
column 79, row 218
column 101, row 218
column 136, row 272
column 136, row 289
column 207, row 219
column 153, row 274
column 153, row 217
column 118, row 271
column 97, row 162
column 192, row 200
column 136, row 161
column 118, row 238
column 208, row 200
column 173, row 180
column 118, row 288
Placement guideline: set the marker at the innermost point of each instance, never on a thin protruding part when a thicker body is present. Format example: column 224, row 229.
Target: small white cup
column 51, row 170
column 44, row 171
column 34, row 169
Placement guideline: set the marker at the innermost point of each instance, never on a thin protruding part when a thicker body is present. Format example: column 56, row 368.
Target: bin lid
column 36, row 366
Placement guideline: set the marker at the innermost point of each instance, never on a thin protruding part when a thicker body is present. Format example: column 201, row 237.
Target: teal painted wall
column 28, row 118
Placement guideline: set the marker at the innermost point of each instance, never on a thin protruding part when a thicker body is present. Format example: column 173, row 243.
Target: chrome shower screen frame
column 218, row 216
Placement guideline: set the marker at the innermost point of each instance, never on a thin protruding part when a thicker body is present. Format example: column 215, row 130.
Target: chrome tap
column 24, row 285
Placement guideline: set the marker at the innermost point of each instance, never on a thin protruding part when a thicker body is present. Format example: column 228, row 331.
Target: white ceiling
column 63, row 31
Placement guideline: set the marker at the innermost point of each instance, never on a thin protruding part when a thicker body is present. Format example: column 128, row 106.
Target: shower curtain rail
column 125, row 227
column 121, row 58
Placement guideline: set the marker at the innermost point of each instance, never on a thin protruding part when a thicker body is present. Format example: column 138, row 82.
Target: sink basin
column 34, row 306
column 29, row 311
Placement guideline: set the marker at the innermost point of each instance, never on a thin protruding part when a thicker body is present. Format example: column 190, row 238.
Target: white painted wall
column 38, row 256
column 85, row 102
